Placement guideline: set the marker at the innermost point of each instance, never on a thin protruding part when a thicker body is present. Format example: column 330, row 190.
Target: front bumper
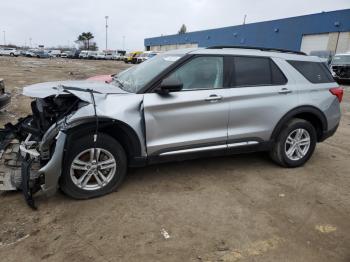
column 21, row 167
column 53, row 169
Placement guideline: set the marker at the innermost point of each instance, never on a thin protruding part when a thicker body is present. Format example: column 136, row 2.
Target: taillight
column 338, row 92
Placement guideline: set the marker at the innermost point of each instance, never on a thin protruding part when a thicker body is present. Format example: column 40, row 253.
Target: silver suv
column 83, row 135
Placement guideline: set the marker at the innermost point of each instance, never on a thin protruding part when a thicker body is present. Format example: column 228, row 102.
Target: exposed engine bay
column 22, row 147
column 32, row 150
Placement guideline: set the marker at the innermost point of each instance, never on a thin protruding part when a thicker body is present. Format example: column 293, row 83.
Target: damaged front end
column 34, row 146
column 32, row 150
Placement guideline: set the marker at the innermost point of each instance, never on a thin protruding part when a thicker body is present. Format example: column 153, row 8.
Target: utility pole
column 4, row 37
column 123, row 42
column 30, row 42
column 106, row 17
column 245, row 18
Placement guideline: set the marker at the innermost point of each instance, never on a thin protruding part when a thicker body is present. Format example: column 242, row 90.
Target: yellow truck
column 129, row 57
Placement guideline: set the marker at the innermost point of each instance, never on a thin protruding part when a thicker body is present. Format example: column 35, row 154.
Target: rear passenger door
column 259, row 97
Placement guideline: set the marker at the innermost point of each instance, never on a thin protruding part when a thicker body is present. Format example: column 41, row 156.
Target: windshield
column 341, row 59
column 135, row 78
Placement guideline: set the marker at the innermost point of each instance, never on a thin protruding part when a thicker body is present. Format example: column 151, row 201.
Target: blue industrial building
column 326, row 30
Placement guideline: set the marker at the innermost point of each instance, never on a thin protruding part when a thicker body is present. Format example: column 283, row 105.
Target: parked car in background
column 145, row 56
column 22, row 52
column 110, row 54
column 5, row 98
column 117, row 57
column 65, row 54
column 325, row 54
column 122, row 57
column 107, row 78
column 55, row 53
column 41, row 54
column 100, row 55
column 101, row 78
column 135, row 57
column 30, row 53
column 340, row 67
column 84, row 54
column 178, row 105
column 6, row 51
column 129, row 57
column 74, row 54
column 92, row 55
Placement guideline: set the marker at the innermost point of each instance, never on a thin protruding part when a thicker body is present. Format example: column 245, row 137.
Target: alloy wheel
column 297, row 144
column 93, row 169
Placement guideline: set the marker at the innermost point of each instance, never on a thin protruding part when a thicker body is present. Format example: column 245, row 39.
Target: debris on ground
column 164, row 233
column 326, row 229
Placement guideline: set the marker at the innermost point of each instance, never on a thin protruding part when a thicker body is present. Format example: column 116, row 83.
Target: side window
column 256, row 71
column 201, row 73
column 315, row 72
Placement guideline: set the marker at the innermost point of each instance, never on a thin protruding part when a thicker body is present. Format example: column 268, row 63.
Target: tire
column 292, row 153
column 108, row 147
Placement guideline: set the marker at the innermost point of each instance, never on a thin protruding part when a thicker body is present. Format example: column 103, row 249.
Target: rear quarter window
column 315, row 72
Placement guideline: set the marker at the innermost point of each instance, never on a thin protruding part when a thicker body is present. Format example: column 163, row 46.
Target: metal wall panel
column 283, row 33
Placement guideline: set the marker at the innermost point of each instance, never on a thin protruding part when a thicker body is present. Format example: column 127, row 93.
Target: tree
column 183, row 29
column 85, row 38
column 93, row 46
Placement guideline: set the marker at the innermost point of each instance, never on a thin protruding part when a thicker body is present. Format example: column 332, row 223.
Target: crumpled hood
column 47, row 89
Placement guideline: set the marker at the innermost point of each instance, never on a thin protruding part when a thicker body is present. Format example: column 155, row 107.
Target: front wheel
column 295, row 144
column 90, row 172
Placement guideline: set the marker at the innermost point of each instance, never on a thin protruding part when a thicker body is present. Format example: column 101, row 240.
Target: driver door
column 193, row 119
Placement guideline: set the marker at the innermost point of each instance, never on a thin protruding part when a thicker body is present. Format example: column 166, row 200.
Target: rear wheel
column 295, row 144
column 92, row 172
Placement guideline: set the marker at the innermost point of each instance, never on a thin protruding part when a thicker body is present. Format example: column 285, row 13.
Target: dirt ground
column 238, row 208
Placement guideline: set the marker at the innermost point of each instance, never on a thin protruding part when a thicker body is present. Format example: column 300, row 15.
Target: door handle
column 213, row 98
column 285, row 91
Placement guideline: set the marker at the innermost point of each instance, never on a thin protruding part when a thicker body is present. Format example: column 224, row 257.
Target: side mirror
column 169, row 85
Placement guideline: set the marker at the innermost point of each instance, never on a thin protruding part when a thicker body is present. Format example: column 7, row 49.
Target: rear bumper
column 329, row 133
column 5, row 99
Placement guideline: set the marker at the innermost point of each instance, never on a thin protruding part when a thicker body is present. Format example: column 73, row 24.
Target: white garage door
column 314, row 43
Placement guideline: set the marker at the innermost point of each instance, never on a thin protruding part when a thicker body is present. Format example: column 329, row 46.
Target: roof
column 347, row 54
column 242, row 51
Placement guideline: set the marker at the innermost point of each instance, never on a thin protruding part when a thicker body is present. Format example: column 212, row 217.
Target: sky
column 59, row 22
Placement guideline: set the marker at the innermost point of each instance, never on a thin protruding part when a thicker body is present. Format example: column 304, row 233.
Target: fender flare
column 300, row 110
column 112, row 127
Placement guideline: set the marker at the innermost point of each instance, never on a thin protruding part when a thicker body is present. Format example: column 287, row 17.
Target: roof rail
column 257, row 48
